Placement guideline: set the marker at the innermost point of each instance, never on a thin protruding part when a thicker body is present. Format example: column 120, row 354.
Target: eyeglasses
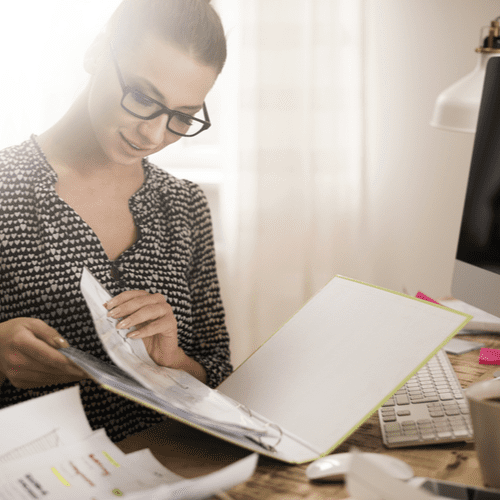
column 142, row 106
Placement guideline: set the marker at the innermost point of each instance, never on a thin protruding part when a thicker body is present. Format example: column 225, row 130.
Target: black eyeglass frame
column 206, row 124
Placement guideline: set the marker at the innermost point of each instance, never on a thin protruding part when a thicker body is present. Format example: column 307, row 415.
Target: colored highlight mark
column 58, row 475
column 111, row 459
column 117, row 492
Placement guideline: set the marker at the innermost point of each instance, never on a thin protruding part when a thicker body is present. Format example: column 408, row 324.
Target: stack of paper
column 55, row 455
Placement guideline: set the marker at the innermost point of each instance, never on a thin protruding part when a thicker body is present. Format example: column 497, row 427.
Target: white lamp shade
column 457, row 107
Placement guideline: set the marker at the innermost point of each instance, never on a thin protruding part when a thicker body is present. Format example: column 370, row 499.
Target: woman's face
column 159, row 71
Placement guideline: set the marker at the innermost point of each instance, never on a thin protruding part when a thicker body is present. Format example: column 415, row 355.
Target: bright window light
column 43, row 46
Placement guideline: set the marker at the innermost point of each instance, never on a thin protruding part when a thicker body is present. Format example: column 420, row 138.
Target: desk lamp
column 457, row 107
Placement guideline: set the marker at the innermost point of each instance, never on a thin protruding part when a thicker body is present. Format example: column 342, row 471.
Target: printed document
column 54, row 455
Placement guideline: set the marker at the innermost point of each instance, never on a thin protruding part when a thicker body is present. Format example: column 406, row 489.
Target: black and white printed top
column 44, row 245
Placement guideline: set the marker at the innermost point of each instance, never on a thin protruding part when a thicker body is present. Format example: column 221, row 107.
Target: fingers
column 27, row 378
column 44, row 332
column 28, row 354
column 149, row 313
column 165, row 327
column 124, row 297
column 39, row 343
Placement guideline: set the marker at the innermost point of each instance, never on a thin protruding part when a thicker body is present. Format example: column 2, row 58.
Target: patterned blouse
column 44, row 245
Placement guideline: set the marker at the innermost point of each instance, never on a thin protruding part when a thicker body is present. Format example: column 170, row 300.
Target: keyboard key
column 429, row 436
column 444, row 434
column 436, row 413
column 425, row 400
column 402, row 400
column 409, row 424
column 443, row 388
column 416, row 397
column 393, row 427
column 461, row 432
column 445, row 396
column 402, row 439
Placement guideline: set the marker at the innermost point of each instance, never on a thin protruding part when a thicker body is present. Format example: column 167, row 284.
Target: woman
column 83, row 194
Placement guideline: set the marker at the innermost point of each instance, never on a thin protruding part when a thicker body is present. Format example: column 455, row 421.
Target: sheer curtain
column 301, row 192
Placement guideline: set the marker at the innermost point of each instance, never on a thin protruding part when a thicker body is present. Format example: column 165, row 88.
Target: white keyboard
column 430, row 408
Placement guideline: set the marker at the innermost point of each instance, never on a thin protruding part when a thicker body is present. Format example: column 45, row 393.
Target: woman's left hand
column 155, row 324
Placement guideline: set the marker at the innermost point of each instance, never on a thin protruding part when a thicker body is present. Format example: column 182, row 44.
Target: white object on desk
column 366, row 480
column 334, row 467
column 481, row 321
column 459, row 346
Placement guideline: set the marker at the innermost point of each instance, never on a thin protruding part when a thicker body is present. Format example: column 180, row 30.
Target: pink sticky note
column 422, row 296
column 489, row 356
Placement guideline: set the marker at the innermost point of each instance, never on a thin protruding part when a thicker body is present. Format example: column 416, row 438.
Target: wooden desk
column 191, row 453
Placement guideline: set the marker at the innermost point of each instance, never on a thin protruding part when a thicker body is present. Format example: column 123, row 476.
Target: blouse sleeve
column 211, row 348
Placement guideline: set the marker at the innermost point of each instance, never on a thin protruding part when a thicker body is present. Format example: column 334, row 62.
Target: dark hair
column 192, row 25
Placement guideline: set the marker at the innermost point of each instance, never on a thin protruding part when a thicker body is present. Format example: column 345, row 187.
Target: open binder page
column 173, row 389
column 337, row 360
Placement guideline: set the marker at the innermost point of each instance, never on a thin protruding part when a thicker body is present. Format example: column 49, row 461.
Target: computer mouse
column 334, row 467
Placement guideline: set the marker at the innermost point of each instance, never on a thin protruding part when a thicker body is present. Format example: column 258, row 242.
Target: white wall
column 416, row 174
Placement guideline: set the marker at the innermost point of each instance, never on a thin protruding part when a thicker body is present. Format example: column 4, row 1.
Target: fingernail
column 60, row 342
column 132, row 335
column 123, row 324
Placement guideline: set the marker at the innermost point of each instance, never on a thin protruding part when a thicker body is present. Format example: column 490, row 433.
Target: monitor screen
column 476, row 277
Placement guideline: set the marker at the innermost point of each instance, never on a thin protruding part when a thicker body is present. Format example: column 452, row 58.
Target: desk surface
column 192, row 453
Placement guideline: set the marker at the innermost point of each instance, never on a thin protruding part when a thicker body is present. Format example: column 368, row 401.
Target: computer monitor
column 476, row 276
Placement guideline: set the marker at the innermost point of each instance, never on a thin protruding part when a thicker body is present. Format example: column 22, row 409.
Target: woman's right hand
column 29, row 356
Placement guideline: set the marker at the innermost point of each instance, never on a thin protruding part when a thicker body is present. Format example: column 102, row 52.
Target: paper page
column 338, row 359
column 42, row 423
column 367, row 481
column 205, row 486
column 179, row 388
column 94, row 468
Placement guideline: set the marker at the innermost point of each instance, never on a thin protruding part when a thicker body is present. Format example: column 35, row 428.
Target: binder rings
column 308, row 387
